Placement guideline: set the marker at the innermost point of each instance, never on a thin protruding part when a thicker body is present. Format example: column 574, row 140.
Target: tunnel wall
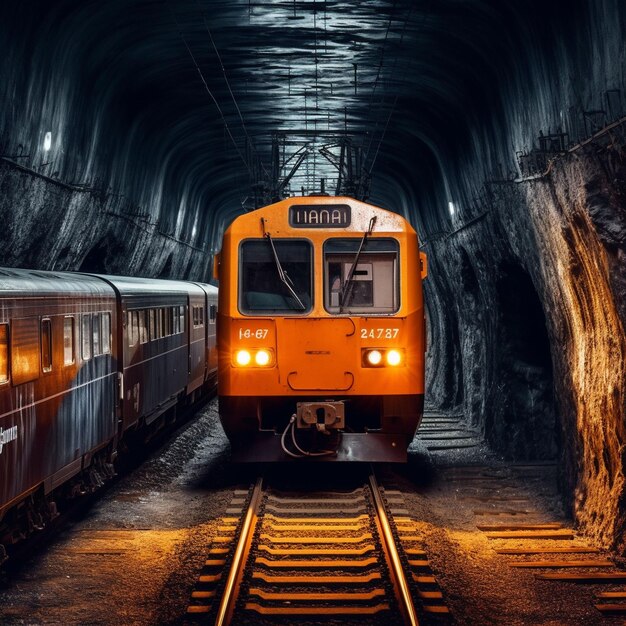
column 560, row 234
column 50, row 225
column 120, row 187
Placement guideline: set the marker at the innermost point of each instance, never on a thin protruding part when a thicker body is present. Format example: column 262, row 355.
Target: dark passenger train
column 87, row 364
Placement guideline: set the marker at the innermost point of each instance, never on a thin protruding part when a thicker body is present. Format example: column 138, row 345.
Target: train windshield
column 262, row 287
column 372, row 287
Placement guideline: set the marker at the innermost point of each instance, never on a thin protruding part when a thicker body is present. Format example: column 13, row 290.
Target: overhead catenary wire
column 208, row 90
column 395, row 101
column 230, row 91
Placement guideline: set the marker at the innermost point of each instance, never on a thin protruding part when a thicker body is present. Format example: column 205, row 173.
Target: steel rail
column 402, row 588
column 243, row 545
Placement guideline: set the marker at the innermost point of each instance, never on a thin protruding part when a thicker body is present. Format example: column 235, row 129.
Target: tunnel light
column 262, row 357
column 243, row 357
column 47, row 141
column 394, row 357
column 374, row 357
column 451, row 207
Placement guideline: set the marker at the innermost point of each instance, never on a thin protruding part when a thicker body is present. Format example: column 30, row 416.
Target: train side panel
column 58, row 372
column 211, row 301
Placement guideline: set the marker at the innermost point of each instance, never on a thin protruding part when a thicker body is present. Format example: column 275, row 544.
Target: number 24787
column 379, row 333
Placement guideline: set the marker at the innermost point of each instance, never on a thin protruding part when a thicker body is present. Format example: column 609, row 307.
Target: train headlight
column 262, row 357
column 394, row 358
column 243, row 357
column 374, row 357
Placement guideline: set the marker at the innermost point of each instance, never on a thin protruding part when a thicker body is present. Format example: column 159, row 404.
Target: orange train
column 321, row 334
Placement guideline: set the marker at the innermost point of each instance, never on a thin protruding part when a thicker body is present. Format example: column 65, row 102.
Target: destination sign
column 319, row 216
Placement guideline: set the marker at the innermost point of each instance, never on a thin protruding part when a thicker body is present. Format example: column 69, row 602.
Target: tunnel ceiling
column 222, row 100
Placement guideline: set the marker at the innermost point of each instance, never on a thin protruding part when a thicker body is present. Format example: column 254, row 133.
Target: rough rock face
column 531, row 305
column 50, row 225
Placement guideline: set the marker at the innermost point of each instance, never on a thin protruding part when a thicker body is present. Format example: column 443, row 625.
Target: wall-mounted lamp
column 451, row 208
column 47, row 141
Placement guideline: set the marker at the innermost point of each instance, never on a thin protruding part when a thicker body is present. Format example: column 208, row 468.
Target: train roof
column 129, row 285
column 318, row 213
column 211, row 290
column 25, row 282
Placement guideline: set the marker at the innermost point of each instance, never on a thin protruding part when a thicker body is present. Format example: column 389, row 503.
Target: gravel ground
column 134, row 555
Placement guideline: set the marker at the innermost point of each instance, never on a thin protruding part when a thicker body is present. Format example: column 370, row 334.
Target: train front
column 320, row 332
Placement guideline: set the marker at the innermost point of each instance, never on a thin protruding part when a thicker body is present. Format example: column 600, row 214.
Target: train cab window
column 68, row 341
column 212, row 314
column 85, row 335
column 4, row 353
column 46, row 345
column 275, row 283
column 370, row 287
column 25, row 350
column 106, row 332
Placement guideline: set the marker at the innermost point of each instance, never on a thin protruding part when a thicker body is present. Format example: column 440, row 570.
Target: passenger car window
column 97, row 350
column 86, row 337
column 24, row 350
column 46, row 345
column 151, row 325
column 4, row 353
column 260, row 286
column 106, row 333
column 181, row 319
column 68, row 341
column 372, row 287
column 143, row 326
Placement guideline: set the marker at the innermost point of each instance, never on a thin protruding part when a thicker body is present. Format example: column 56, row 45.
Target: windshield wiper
column 281, row 272
column 349, row 279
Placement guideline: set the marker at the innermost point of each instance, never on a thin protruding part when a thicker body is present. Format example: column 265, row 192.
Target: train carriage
column 58, row 379
column 321, row 332
column 88, row 362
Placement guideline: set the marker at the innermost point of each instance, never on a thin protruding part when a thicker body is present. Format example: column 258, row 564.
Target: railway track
column 312, row 557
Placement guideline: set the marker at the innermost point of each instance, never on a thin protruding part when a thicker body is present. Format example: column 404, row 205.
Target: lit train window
column 25, row 350
column 4, row 353
column 46, row 345
column 106, row 333
column 68, row 341
column 85, row 335
column 261, row 288
column 369, row 286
